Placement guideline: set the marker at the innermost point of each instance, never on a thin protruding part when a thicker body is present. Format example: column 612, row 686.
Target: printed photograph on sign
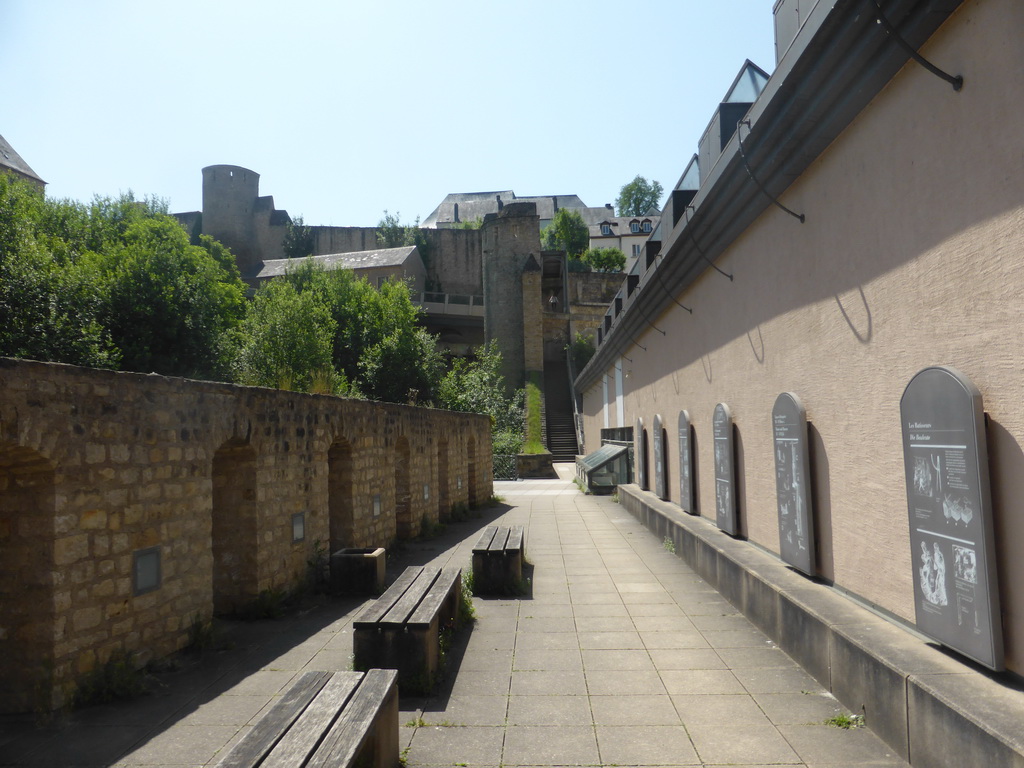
column 945, row 454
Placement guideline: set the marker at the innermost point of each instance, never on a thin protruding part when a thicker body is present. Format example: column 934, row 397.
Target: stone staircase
column 561, row 427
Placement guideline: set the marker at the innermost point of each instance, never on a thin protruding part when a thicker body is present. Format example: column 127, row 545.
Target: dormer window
column 606, row 229
column 634, row 226
column 646, row 226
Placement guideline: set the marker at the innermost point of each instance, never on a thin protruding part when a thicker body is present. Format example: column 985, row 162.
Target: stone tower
column 510, row 243
column 230, row 195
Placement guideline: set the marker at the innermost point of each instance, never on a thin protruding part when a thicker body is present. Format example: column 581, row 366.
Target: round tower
column 229, row 200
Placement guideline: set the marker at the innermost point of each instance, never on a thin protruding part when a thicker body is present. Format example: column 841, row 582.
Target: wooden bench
column 326, row 719
column 498, row 560
column 402, row 629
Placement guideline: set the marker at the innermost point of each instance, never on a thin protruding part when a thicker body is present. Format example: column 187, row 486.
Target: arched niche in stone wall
column 28, row 511
column 685, row 464
column 793, row 483
column 725, row 470
column 945, row 458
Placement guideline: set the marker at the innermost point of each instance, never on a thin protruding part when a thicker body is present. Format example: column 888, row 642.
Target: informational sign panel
column 956, row 592
column 792, row 482
column 685, row 465
column 639, row 454
column 659, row 458
column 725, row 473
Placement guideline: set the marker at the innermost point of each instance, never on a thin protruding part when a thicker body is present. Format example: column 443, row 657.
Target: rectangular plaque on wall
column 685, row 464
column 659, row 458
column 725, row 474
column 956, row 592
column 792, row 482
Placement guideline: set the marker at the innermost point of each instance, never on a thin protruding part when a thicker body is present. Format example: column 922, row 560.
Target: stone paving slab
column 618, row 655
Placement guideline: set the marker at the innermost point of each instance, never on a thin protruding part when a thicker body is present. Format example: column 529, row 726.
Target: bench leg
column 420, row 658
column 376, row 648
column 498, row 572
column 384, row 739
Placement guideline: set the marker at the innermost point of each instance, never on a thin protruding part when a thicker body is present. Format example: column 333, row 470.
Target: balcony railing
column 450, row 303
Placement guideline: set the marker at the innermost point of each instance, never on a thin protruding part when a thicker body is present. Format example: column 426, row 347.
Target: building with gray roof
column 12, row 162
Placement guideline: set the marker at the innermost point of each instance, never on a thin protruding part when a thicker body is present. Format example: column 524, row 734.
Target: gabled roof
column 384, row 257
column 12, row 161
column 473, row 205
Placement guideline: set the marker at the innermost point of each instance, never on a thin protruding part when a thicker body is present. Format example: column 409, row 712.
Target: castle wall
column 99, row 468
column 455, row 260
column 343, row 239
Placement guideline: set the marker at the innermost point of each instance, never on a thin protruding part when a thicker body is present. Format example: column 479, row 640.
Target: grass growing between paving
column 534, row 441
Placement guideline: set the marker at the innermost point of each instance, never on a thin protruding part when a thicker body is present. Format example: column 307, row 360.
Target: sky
column 347, row 109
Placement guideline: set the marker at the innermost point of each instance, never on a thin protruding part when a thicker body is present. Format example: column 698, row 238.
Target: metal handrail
column 577, row 416
column 449, row 299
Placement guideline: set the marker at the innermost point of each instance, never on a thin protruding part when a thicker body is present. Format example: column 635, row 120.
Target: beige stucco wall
column 909, row 257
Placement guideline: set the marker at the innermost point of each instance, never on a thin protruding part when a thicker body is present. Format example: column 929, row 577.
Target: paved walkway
column 620, row 656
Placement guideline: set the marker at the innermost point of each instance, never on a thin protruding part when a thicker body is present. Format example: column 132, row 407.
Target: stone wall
column 218, row 492
column 454, row 260
column 343, row 239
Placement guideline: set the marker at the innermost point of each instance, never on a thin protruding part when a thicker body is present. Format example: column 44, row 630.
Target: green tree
column 566, row 232
column 298, row 239
column 581, row 349
column 604, row 259
column 477, row 386
column 169, row 306
column 377, row 341
column 287, row 340
column 391, row 233
column 49, row 299
column 638, row 197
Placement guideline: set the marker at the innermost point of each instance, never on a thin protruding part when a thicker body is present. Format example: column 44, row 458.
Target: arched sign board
column 792, row 482
column 956, row 592
column 685, row 464
column 659, row 458
column 725, row 475
column 639, row 454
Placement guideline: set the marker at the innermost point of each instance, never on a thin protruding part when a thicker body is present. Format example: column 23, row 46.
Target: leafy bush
column 581, row 349
column 604, row 259
column 477, row 386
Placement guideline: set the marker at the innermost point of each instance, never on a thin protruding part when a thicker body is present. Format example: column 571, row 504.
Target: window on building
column 606, row 229
column 636, row 250
column 634, row 226
column 646, row 225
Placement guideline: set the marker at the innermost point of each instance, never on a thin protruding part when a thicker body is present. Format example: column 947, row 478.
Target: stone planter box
column 536, row 465
column 358, row 571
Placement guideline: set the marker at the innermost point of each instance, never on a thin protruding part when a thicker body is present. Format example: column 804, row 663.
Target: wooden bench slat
column 310, row 728
column 484, row 542
column 515, row 537
column 376, row 610
column 351, row 729
column 432, row 601
column 500, row 538
column 271, row 727
column 407, row 603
